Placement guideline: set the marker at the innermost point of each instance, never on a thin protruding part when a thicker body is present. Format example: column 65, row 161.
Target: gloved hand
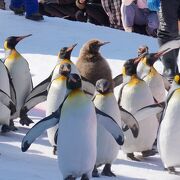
column 153, row 5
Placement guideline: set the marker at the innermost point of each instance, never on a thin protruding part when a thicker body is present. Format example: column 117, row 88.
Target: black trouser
column 168, row 30
column 96, row 14
column 61, row 10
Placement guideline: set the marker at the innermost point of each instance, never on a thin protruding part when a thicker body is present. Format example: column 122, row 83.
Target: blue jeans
column 31, row 6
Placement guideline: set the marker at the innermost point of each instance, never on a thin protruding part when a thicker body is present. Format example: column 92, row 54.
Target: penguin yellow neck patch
column 14, row 55
column 134, row 80
column 66, row 61
column 153, row 72
column 73, row 93
column 61, row 78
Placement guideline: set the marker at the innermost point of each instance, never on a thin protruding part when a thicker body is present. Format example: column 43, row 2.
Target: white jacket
column 140, row 3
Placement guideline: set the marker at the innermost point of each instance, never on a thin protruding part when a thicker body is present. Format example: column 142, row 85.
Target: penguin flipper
column 87, row 86
column 38, row 129
column 33, row 102
column 170, row 45
column 130, row 121
column 110, row 125
column 41, row 87
column 147, row 111
column 12, row 88
column 118, row 80
column 167, row 84
column 7, row 101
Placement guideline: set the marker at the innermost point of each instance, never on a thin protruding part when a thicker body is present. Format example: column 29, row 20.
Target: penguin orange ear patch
column 123, row 71
column 176, row 78
column 5, row 45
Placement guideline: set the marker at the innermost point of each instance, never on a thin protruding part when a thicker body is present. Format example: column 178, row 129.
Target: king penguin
column 131, row 92
column 77, row 132
column 168, row 138
column 147, row 72
column 92, row 66
column 107, row 147
column 56, row 94
column 39, row 93
column 19, row 71
column 6, row 92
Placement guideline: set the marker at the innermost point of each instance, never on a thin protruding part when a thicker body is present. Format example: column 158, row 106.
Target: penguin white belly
column 134, row 98
column 156, row 85
column 21, row 78
column 77, row 137
column 5, row 86
column 4, row 79
column 107, row 147
column 168, row 138
column 5, row 115
column 55, row 97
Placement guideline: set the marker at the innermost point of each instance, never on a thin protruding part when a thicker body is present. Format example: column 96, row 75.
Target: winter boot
column 2, row 4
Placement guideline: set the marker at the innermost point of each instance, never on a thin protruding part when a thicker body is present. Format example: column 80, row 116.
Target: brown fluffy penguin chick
column 91, row 65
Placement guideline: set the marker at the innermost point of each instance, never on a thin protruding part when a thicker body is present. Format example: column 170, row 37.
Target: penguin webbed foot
column 84, row 177
column 5, row 128
column 95, row 172
column 70, row 177
column 148, row 153
column 107, row 171
column 54, row 150
column 171, row 170
column 12, row 126
column 25, row 120
column 132, row 157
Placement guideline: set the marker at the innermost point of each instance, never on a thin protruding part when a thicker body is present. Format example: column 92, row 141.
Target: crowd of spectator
column 140, row 16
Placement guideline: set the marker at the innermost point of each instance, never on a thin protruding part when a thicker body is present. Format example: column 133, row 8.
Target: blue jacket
column 153, row 5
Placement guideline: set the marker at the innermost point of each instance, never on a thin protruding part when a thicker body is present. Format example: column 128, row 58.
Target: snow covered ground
column 41, row 51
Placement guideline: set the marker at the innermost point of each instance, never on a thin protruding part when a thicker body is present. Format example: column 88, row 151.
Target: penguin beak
column 103, row 43
column 160, row 53
column 22, row 37
column 138, row 59
column 71, row 48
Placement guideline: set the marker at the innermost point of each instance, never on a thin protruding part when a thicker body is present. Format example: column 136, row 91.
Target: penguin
column 150, row 75
column 77, row 121
column 107, row 148
column 92, row 66
column 7, row 92
column 131, row 92
column 56, row 93
column 168, row 142
column 39, row 93
column 19, row 71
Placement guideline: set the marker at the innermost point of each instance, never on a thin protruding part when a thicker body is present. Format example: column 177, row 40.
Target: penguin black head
column 74, row 81
column 11, row 42
column 103, row 86
column 65, row 69
column 65, row 52
column 151, row 58
column 177, row 79
column 94, row 45
column 129, row 67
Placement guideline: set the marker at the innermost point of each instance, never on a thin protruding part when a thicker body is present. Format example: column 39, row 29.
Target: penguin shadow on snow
column 153, row 163
column 117, row 177
column 42, row 139
column 13, row 155
column 14, row 137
